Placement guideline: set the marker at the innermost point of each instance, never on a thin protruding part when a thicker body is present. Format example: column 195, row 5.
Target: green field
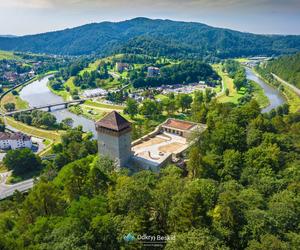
column 10, row 98
column 103, row 105
column 259, row 95
column 292, row 98
column 8, row 55
column 234, row 95
column 37, row 132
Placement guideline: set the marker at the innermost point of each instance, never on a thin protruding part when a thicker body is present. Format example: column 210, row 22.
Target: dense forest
column 182, row 73
column 239, row 190
column 153, row 37
column 287, row 68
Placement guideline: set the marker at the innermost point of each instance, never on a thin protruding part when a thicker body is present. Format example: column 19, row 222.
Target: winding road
column 294, row 88
column 8, row 190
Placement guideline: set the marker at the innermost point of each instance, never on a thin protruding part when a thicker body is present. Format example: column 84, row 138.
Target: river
column 274, row 95
column 37, row 93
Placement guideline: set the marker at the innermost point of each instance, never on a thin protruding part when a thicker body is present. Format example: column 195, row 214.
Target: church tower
column 114, row 138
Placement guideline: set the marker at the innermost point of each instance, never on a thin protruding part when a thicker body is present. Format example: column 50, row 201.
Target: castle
column 165, row 144
column 114, row 138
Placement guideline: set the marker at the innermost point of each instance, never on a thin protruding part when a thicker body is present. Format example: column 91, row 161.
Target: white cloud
column 186, row 4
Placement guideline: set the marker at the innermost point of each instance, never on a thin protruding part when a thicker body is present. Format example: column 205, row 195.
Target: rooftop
column 178, row 124
column 156, row 150
column 14, row 136
column 113, row 121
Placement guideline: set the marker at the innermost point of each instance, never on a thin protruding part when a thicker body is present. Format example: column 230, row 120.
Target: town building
column 153, row 72
column 166, row 144
column 14, row 140
column 120, row 67
column 94, row 92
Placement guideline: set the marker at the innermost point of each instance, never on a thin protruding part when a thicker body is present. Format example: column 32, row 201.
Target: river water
column 275, row 97
column 37, row 93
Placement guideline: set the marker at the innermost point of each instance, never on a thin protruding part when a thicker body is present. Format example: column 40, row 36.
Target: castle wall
column 115, row 147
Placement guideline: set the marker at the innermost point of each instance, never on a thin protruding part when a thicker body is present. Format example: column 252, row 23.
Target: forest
column 286, row 67
column 240, row 189
column 153, row 37
column 184, row 72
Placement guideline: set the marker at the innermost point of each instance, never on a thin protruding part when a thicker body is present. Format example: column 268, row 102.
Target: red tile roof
column 183, row 125
column 113, row 121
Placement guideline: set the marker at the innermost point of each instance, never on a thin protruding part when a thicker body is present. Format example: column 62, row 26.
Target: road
column 114, row 75
column 294, row 88
column 8, row 190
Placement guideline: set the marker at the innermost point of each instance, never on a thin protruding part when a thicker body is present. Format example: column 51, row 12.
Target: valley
column 114, row 131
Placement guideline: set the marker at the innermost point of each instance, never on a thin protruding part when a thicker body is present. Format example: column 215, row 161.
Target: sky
column 21, row 17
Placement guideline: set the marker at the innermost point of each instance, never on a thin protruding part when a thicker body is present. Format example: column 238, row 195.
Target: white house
column 14, row 140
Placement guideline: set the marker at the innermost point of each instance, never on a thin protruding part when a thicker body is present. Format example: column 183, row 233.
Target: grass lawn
column 242, row 60
column 10, row 98
column 259, row 95
column 50, row 137
column 70, row 83
column 110, row 84
column 234, row 95
column 2, row 168
column 90, row 112
column 92, row 66
column 292, row 98
column 63, row 93
column 36, row 132
column 161, row 97
column 8, row 55
column 94, row 114
column 103, row 105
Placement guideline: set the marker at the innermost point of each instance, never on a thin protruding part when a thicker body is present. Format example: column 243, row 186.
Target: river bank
column 289, row 95
column 38, row 93
column 275, row 97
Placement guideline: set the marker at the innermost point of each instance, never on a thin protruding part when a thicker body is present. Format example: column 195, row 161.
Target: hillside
column 154, row 37
column 287, row 68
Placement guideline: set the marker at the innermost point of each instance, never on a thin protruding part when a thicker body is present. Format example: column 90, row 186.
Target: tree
column 22, row 161
column 189, row 208
column 184, row 101
column 44, row 200
column 169, row 105
column 68, row 122
column 268, row 241
column 232, row 164
column 10, row 106
column 150, row 108
column 227, row 92
column 132, row 107
column 201, row 239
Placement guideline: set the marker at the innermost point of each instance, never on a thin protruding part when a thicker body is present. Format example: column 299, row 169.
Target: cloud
column 172, row 4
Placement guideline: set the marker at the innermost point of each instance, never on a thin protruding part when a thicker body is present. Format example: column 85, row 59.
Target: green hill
column 153, row 37
column 287, row 68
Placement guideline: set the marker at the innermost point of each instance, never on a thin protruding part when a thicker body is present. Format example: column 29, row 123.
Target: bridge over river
column 48, row 106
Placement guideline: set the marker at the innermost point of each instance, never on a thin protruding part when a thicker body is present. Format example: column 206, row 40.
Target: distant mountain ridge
column 10, row 36
column 153, row 37
column 286, row 67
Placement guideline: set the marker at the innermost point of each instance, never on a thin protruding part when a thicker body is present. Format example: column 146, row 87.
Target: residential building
column 120, row 67
column 14, row 140
column 153, row 72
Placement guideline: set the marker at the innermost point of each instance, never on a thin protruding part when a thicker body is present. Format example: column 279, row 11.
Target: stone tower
column 114, row 138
